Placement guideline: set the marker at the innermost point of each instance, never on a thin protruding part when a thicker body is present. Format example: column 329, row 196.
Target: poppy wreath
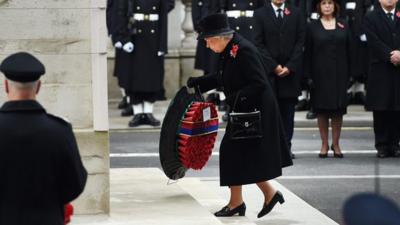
column 68, row 212
column 197, row 135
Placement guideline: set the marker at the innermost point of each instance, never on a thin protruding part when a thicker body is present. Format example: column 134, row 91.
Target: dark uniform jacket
column 383, row 90
column 206, row 59
column 40, row 166
column 143, row 68
column 240, row 14
column 242, row 74
column 328, row 62
column 281, row 45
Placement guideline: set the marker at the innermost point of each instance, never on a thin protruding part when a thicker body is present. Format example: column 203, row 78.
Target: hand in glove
column 118, row 44
column 128, row 47
column 159, row 53
column 192, row 82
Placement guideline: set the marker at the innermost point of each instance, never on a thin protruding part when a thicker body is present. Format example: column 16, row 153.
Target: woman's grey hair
column 226, row 36
column 23, row 86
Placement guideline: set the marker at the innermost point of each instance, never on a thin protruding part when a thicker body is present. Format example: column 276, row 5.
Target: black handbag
column 245, row 125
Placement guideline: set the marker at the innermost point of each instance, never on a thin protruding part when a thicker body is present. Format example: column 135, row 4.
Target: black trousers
column 140, row 97
column 286, row 108
column 387, row 130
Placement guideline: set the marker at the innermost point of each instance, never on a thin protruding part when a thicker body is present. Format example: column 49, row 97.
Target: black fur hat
column 214, row 25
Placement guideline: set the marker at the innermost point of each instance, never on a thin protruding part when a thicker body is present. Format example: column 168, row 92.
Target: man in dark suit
column 40, row 166
column 382, row 28
column 280, row 37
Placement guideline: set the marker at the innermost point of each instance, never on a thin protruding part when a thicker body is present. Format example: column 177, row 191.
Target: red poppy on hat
column 234, row 50
column 286, row 11
column 340, row 25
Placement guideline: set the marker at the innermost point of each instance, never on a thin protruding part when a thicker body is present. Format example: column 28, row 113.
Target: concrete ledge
column 142, row 196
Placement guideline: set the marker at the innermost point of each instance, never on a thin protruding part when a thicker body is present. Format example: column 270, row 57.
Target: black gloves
column 192, row 82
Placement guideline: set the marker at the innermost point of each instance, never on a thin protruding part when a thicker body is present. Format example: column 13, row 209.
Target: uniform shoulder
column 60, row 120
column 260, row 11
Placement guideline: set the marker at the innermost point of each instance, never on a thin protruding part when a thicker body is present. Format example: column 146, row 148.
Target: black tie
column 390, row 16
column 280, row 16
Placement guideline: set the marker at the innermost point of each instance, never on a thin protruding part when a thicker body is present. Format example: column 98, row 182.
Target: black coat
column 281, row 46
column 40, row 166
column 383, row 89
column 206, row 59
column 248, row 161
column 243, row 25
column 143, row 70
column 328, row 62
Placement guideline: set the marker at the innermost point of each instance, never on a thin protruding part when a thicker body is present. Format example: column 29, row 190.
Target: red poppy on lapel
column 234, row 50
column 287, row 12
column 398, row 14
column 340, row 25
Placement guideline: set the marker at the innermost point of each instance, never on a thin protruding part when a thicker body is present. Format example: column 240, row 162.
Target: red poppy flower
column 68, row 212
column 398, row 14
column 340, row 25
column 286, row 12
column 234, row 50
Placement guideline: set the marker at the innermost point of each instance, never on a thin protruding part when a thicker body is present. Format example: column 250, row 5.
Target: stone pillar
column 188, row 49
column 69, row 37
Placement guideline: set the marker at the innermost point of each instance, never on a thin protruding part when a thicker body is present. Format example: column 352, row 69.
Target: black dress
column 328, row 59
column 254, row 160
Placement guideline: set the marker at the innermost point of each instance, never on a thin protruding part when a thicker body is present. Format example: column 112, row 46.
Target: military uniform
column 240, row 14
column 40, row 165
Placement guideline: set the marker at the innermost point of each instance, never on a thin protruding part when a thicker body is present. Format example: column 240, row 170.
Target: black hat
column 22, row 67
column 214, row 25
column 315, row 2
column 370, row 209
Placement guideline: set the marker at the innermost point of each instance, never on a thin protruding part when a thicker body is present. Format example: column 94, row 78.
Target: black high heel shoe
column 278, row 197
column 227, row 212
column 323, row 155
column 336, row 155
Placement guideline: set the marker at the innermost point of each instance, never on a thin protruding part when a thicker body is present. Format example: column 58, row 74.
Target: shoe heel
column 242, row 212
column 281, row 200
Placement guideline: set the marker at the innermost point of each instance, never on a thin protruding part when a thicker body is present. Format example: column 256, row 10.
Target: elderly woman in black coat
column 328, row 59
column 243, row 79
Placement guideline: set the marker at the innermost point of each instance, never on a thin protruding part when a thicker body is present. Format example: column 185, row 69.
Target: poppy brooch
column 398, row 14
column 340, row 25
column 286, row 12
column 234, row 50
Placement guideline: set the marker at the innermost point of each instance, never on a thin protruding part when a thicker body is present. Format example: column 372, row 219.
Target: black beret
column 22, row 67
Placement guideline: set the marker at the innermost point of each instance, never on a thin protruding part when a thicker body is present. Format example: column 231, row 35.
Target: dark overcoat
column 40, row 166
column 281, row 45
column 328, row 62
column 383, row 89
column 143, row 68
column 255, row 160
column 205, row 59
column 244, row 25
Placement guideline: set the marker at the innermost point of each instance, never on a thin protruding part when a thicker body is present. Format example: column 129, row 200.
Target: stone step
column 293, row 211
column 142, row 197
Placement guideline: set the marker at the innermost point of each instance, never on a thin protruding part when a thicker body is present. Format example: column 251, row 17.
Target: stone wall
column 69, row 37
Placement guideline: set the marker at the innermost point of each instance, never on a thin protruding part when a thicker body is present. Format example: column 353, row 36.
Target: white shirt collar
column 393, row 11
column 276, row 8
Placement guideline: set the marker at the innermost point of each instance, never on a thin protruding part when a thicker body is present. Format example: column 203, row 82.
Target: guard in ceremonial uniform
column 240, row 14
column 40, row 165
column 382, row 27
column 142, row 31
column 280, row 36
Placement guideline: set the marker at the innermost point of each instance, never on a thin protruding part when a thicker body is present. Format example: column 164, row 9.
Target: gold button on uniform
column 140, row 31
column 251, row 3
column 152, row 31
column 138, row 7
column 200, row 3
column 154, row 8
column 237, row 28
column 233, row 5
column 251, row 27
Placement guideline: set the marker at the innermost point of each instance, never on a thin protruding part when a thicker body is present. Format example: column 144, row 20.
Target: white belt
column 238, row 13
column 141, row 16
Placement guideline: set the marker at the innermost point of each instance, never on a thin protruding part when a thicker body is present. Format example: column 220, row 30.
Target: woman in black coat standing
column 328, row 57
column 243, row 78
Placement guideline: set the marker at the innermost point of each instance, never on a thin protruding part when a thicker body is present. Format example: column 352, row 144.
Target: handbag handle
column 234, row 104
column 198, row 92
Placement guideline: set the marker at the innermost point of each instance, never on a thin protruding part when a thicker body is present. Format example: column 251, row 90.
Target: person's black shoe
column 382, row 154
column 359, row 98
column 150, row 120
column 128, row 111
column 123, row 103
column 136, row 120
column 302, row 105
column 336, row 155
column 311, row 115
column 278, row 197
column 227, row 212
column 323, row 155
